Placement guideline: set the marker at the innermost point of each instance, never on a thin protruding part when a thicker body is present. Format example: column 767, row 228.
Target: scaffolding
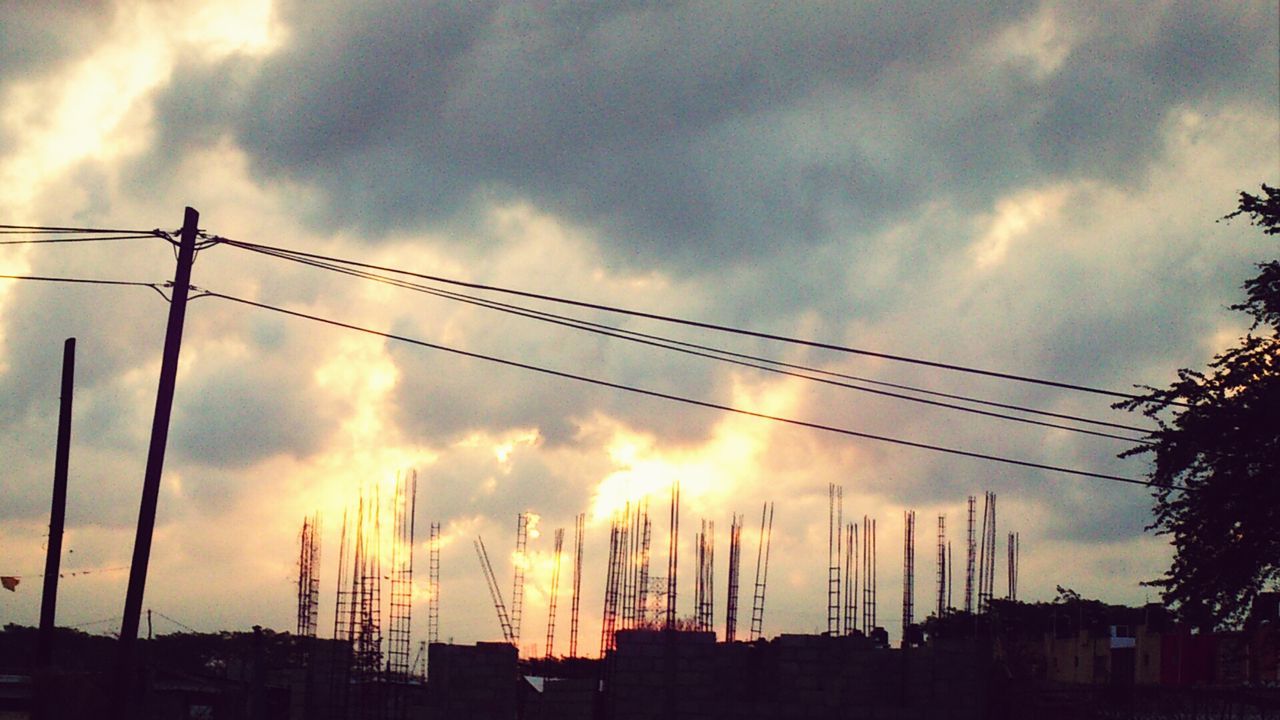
column 941, row 608
column 643, row 615
column 673, row 556
column 850, row 579
column 577, row 584
column 868, row 575
column 517, row 576
column 419, row 670
column 609, row 620
column 731, row 603
column 987, row 561
column 657, row 598
column 626, row 557
column 762, row 572
column 366, row 676
column 433, row 603
column 950, row 584
column 704, row 602
column 308, row 607
column 309, row 576
column 341, row 623
column 339, row 682
column 1014, row 551
column 399, row 667
column 835, row 527
column 971, row 552
column 908, row 572
column 398, row 634
column 699, row 579
column 366, row 609
column 555, row 594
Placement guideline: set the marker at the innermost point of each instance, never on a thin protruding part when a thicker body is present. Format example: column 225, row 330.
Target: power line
column 660, row 342
column 83, row 281
column 678, row 398
column 95, row 238
column 74, row 573
column 623, row 334
column 184, row 626
column 691, row 323
column 33, row 229
column 719, row 353
column 87, row 623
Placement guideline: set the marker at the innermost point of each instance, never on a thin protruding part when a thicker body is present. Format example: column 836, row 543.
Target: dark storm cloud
column 239, row 415
column 1087, row 514
column 228, row 414
column 116, row 328
column 1099, row 115
column 28, row 453
column 701, row 133
column 39, row 37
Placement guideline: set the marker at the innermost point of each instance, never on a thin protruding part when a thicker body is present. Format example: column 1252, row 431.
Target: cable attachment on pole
column 160, row 292
column 204, row 240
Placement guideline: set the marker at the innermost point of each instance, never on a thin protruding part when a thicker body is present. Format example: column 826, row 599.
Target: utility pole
column 57, row 510
column 53, row 555
column 126, row 680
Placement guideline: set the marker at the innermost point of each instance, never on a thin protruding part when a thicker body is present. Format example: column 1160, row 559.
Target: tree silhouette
column 1216, row 473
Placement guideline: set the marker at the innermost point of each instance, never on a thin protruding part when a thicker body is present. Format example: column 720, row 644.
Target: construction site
column 969, row 652
column 965, row 647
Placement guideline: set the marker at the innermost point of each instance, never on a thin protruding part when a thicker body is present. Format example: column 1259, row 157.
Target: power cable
column 604, row 383
column 679, row 398
column 96, row 238
column 84, row 281
column 691, row 323
column 87, row 623
column 735, row 358
column 184, row 626
column 32, row 229
column 35, row 229
column 626, row 334
column 60, row 229
column 75, row 573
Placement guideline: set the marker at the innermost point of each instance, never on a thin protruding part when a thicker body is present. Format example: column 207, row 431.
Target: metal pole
column 125, row 667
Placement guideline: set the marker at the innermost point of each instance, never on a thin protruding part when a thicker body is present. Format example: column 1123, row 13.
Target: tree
column 1216, row 470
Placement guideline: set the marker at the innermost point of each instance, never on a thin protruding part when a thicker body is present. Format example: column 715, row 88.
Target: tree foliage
column 1216, row 470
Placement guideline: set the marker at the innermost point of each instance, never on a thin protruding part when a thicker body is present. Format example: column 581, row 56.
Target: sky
column 1028, row 188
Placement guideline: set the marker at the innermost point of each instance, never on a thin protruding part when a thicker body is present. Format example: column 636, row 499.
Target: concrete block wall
column 687, row 676
column 473, row 681
column 566, row 699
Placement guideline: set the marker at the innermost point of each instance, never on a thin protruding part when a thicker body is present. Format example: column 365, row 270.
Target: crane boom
column 504, row 620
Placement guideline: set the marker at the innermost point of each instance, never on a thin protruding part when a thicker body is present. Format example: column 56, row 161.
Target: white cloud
column 1014, row 218
column 1042, row 42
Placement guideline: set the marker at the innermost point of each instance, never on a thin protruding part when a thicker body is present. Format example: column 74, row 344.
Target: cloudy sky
column 1030, row 188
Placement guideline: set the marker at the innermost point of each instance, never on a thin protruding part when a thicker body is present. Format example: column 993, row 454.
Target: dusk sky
column 1029, row 188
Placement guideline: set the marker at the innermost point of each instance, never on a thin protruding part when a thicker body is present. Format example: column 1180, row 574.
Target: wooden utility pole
column 126, row 682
